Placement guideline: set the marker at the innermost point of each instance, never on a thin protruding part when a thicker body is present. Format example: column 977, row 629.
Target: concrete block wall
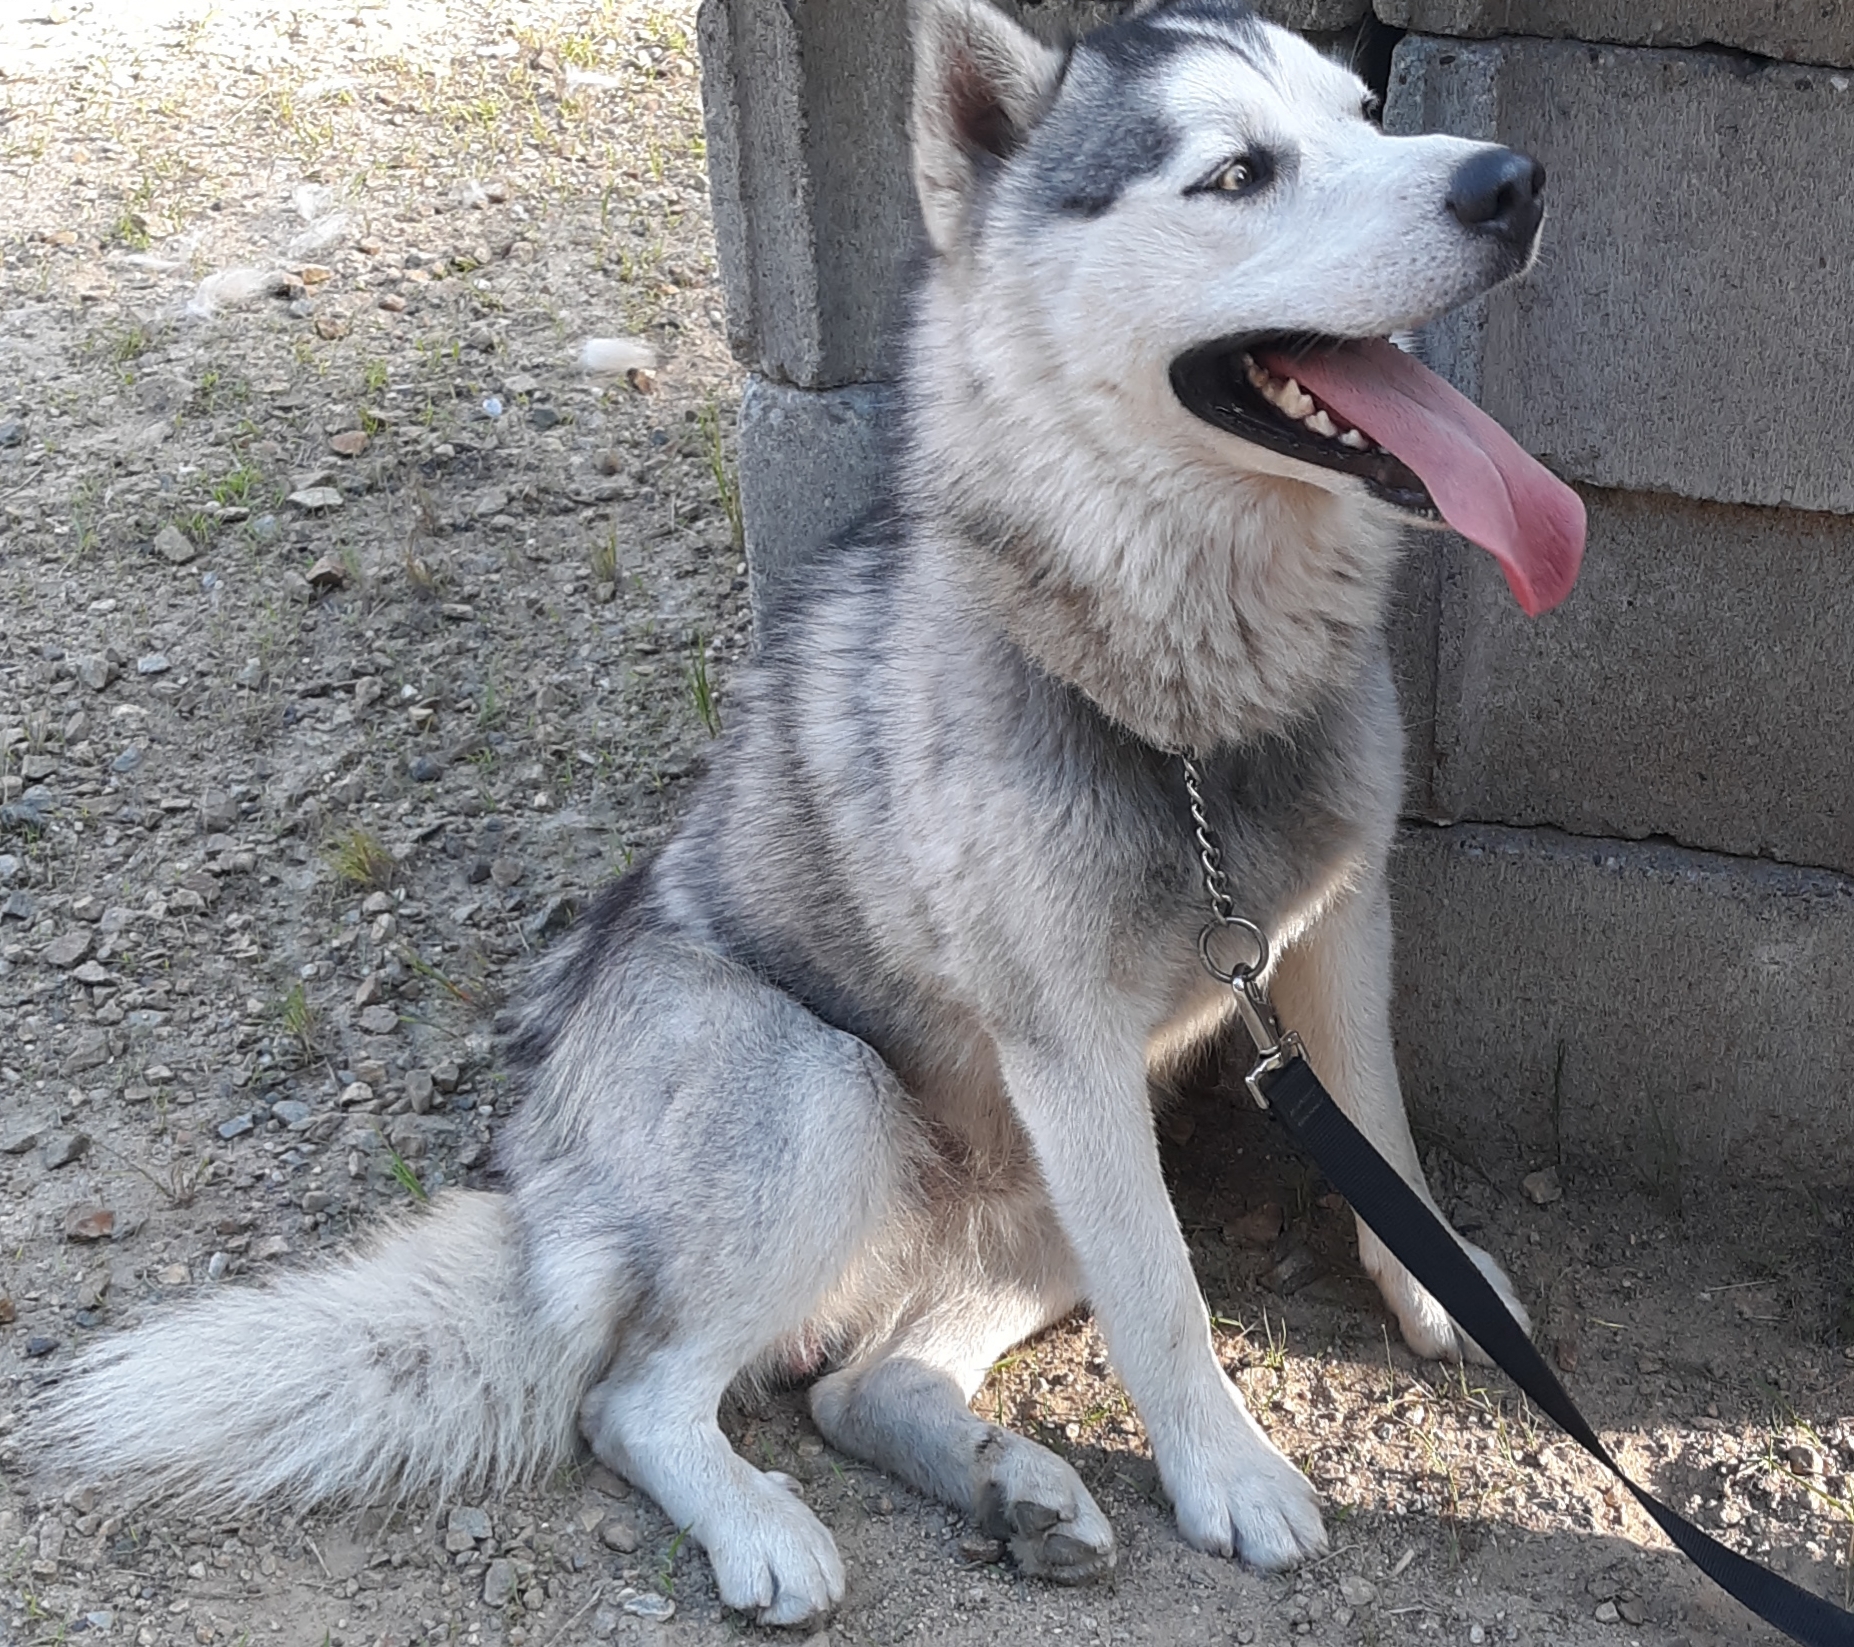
column 1626, row 889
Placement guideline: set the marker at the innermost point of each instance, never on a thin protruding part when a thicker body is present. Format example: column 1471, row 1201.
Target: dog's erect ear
column 980, row 83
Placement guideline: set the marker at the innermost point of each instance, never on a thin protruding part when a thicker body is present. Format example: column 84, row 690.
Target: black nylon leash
column 1283, row 1081
column 1430, row 1252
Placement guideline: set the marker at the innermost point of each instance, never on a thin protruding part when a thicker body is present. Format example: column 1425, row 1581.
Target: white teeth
column 1354, row 439
column 1321, row 424
column 1295, row 400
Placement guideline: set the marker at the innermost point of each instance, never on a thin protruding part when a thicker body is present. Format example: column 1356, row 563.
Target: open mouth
column 1364, row 408
column 1247, row 386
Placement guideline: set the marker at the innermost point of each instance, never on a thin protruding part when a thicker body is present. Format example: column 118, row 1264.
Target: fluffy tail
column 420, row 1363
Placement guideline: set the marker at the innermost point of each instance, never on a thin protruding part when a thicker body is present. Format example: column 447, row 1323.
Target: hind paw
column 1035, row 1502
column 1428, row 1329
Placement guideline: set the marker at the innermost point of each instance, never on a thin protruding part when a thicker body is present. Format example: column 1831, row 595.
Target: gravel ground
column 352, row 634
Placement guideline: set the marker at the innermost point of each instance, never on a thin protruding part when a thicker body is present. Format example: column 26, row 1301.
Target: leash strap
column 1430, row 1252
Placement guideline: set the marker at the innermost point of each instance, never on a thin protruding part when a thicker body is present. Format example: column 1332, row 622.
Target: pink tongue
column 1487, row 487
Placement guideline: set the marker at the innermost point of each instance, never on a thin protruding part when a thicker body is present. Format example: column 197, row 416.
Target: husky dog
column 852, row 1078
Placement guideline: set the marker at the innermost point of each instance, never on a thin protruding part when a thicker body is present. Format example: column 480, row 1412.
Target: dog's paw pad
column 1038, row 1505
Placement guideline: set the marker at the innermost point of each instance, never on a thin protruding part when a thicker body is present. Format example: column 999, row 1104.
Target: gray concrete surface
column 1687, row 328
column 1802, row 31
column 807, row 152
column 810, row 465
column 1696, row 685
column 1689, row 1014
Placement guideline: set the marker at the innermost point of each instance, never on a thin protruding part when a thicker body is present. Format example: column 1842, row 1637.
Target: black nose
column 1499, row 192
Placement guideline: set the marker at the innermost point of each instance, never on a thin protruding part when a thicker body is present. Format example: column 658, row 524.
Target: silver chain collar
column 1274, row 1049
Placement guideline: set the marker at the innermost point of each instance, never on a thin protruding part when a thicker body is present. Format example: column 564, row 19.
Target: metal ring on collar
column 1239, row 974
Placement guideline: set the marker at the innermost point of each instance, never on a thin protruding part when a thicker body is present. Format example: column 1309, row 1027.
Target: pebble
column 499, row 1581
column 1258, row 1227
column 425, row 769
column 217, row 1265
column 418, row 1090
column 12, row 432
column 445, row 1075
column 152, row 663
column 543, row 417
column 378, row 1020
column 313, row 499
column 1800, row 1459
column 66, row 951
column 174, row 545
column 17, row 1143
column 95, row 672
column 217, row 809
column 1542, row 1187
column 350, row 443
column 1358, row 1592
column 92, row 973
column 291, row 1112
column 356, row 1092
column 127, row 761
column 174, row 1275
column 983, row 1552
column 470, row 1521
column 237, row 1127
column 658, row 1609
column 618, row 1535
column 88, row 1222
column 8, row 1313
column 328, row 573
column 62, row 1148
column 38, row 1344
column 1607, row 1612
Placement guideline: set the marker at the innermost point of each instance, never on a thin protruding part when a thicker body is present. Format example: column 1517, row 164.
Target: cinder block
column 1697, row 685
column 1589, row 1000
column 811, row 464
column 1800, row 31
column 1687, row 328
column 806, row 110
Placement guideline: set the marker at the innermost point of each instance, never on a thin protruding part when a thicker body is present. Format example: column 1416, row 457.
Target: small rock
column 1476, row 1634
column 378, row 1020
column 425, row 769
column 1292, row 1271
column 8, row 1314
column 1800, row 1459
column 92, row 974
column 499, row 1581
column 445, row 1075
column 152, row 663
column 553, row 918
column 981, row 1552
column 418, row 1090
column 95, row 671
column 174, row 1275
column 12, row 432
column 328, row 573
column 87, row 1222
column 1542, row 1187
column 355, row 1092
column 39, row 1344
column 393, row 303
column 472, row 1520
column 173, row 544
column 291, row 1112
column 237, row 1127
column 1631, row 1609
column 618, row 1535
column 1357, row 1591
column 218, row 810
column 127, row 761
column 505, row 872
column 88, row 907
column 313, row 499
column 350, row 443
column 543, row 417
column 66, row 951
column 62, row 1148
column 17, row 1143
column 217, row 1265
column 658, row 1609
column 1607, row 1612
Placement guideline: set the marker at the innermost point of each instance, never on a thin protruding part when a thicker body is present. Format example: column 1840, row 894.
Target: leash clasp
column 1274, row 1049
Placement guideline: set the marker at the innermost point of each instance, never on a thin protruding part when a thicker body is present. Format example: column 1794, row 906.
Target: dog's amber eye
column 1235, row 177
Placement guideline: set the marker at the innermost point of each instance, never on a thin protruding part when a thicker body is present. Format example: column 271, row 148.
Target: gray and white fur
column 853, row 1077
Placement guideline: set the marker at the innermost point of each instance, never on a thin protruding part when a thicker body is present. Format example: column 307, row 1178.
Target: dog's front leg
column 1090, row 1122
column 1332, row 986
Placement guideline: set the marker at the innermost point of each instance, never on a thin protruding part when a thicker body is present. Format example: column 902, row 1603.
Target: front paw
column 1240, row 1496
column 1428, row 1329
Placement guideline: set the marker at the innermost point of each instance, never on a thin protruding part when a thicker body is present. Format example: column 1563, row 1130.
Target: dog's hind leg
column 734, row 1160
column 903, row 1405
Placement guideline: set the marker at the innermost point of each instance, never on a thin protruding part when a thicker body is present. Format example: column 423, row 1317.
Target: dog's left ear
column 980, row 83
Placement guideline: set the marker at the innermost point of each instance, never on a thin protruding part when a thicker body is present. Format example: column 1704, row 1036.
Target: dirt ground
column 350, row 634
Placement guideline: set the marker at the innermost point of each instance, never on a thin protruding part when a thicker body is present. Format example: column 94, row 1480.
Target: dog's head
column 1196, row 212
